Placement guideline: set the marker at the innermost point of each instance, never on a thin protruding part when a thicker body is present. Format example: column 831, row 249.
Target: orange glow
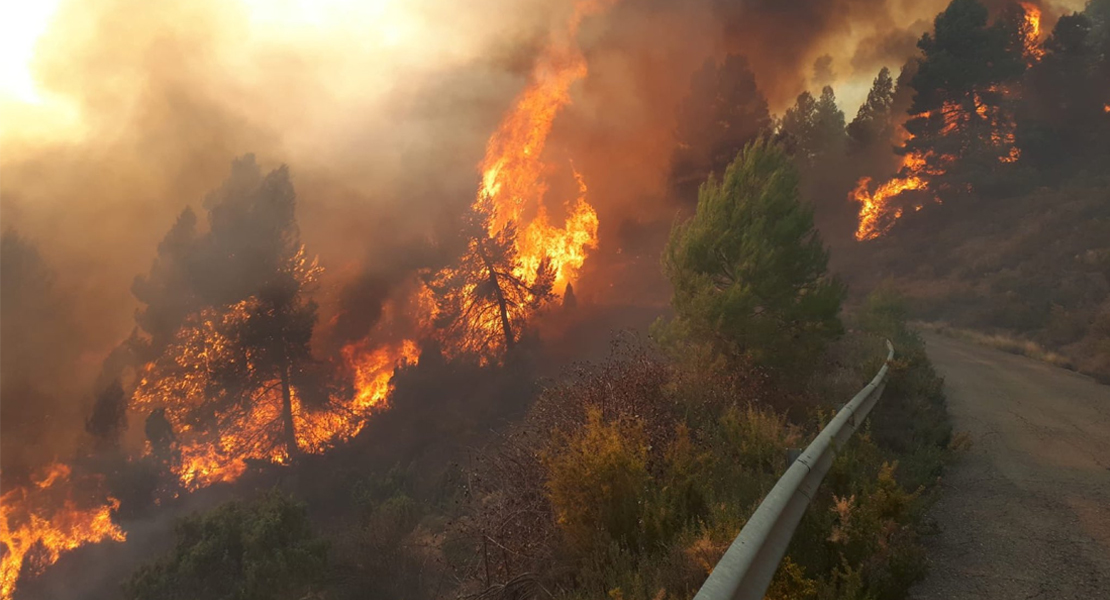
column 991, row 123
column 41, row 521
column 511, row 198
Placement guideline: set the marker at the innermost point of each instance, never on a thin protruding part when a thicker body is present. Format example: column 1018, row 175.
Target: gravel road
column 1025, row 513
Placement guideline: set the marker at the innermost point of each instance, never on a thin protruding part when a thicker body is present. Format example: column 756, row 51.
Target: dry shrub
column 598, row 483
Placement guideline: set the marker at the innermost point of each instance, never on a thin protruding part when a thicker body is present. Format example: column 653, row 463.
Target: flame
column 513, row 184
column 511, row 197
column 876, row 216
column 877, row 212
column 373, row 370
column 41, row 521
column 1032, row 31
column 219, row 452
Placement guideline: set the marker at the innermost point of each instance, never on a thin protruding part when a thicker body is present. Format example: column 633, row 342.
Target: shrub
column 597, row 482
column 239, row 551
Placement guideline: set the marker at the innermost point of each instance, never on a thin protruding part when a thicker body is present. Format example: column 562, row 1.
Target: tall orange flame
column 513, row 184
column 41, row 521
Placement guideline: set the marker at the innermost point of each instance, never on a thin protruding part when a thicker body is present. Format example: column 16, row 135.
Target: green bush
column 260, row 550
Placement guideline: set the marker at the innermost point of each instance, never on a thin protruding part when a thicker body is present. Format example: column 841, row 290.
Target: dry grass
column 1003, row 342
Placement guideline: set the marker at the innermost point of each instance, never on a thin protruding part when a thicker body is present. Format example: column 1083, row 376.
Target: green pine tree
column 749, row 270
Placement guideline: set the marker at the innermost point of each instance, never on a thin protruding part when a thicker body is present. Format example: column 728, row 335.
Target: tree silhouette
column 873, row 126
column 816, row 127
column 484, row 299
column 1063, row 125
column 168, row 291
column 723, row 111
column 799, row 122
column 109, row 416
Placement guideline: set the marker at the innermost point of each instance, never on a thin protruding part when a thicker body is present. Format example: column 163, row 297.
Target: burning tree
column 961, row 125
column 228, row 363
column 483, row 302
column 960, row 104
column 237, row 375
column 516, row 259
column 1064, row 124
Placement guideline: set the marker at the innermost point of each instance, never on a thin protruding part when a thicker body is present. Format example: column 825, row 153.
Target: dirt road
column 1025, row 513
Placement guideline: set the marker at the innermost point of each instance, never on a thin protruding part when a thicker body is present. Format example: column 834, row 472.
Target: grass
column 1003, row 342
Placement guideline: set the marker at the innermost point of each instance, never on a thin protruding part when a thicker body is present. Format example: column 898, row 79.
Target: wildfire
column 41, row 521
column 219, row 452
column 1032, row 32
column 513, row 184
column 221, row 404
column 876, row 216
column 373, row 370
column 877, row 212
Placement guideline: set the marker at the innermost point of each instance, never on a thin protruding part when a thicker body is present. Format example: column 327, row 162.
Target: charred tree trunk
column 502, row 305
column 289, row 433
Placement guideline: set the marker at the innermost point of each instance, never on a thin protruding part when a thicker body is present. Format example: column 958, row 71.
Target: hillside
column 1035, row 266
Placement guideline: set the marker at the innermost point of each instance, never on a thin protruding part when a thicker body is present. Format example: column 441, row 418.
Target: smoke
column 382, row 112
column 382, row 129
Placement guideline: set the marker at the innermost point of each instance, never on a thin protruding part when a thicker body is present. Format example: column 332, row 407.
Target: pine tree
column 749, row 270
column 723, row 111
column 1062, row 125
column 816, row 128
column 958, row 92
column 243, row 341
column 167, row 291
column 799, row 124
column 873, row 124
column 484, row 299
